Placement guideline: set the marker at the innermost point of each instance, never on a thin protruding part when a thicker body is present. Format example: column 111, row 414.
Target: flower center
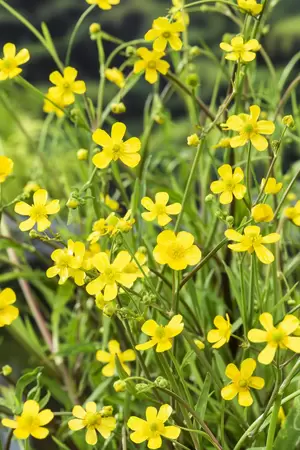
column 38, row 212
column 66, row 85
column 248, row 128
column 176, row 251
column 230, row 186
column 110, row 275
column 167, row 35
column 92, row 419
column 153, row 427
column 160, row 332
column 29, row 421
column 277, row 336
column 152, row 65
column 160, row 209
column 9, row 64
column 243, row 383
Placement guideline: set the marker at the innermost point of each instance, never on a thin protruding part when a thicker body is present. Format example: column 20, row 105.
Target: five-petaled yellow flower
column 9, row 64
column 161, row 335
column 250, row 6
column 115, row 76
column 293, row 213
column 109, row 370
column 159, row 210
column 66, row 85
column 8, row 313
column 176, row 251
column 31, row 422
column 222, row 334
column 153, row 427
column 103, row 4
column 242, row 382
column 67, row 263
column 111, row 275
column 164, row 32
column 151, row 63
column 276, row 337
column 240, row 50
column 262, row 213
column 229, row 185
column 114, row 147
column 38, row 212
column 252, row 241
column 249, row 129
column 93, row 421
column 100, row 228
column 271, row 187
column 6, row 167
column 120, row 224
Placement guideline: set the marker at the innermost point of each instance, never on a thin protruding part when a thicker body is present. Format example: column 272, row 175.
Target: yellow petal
column 91, row 436
column 293, row 343
column 151, row 414
column 164, row 413
column 75, row 424
column 225, row 172
column 147, row 203
column 229, row 392
column 245, row 398
column 23, row 209
column 100, row 137
column 114, row 346
column 256, row 382
column 40, row 433
column 78, row 412
column 267, row 355
column 40, row 197
column 155, row 442
column 118, row 131
column 149, row 327
column 186, row 239
column 259, row 142
column 271, row 238
column 257, row 336
column 233, row 235
column 163, row 346
column 146, row 345
column 31, row 407
column 162, row 198
column 45, row 416
column 171, row 432
column 232, row 371
column 247, row 368
column 264, row 255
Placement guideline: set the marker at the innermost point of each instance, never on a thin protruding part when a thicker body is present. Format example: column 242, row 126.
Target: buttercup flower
column 114, row 147
column 151, row 63
column 193, row 140
column 6, row 167
column 103, row 4
column 222, row 334
column 111, row 275
column 93, row 421
column 120, row 224
column 252, row 241
column 38, row 212
column 66, row 85
column 134, row 268
column 9, row 64
column 223, row 143
column 242, row 382
column 240, row 50
column 31, row 422
column 229, row 185
column 164, row 32
column 159, row 210
column 272, row 187
column 249, row 129
column 293, row 213
column 153, row 427
column 54, row 104
column 176, row 251
column 115, row 76
column 67, row 263
column 161, row 336
column 276, row 337
column 109, row 370
column 8, row 313
column 100, row 228
column 262, row 213
column 250, row 6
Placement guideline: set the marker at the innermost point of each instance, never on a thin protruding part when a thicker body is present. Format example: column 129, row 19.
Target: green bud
column 72, row 203
column 33, row 234
column 193, row 80
column 275, row 146
column 194, row 51
column 209, row 198
column 118, row 108
column 161, row 382
column 107, row 411
column 141, row 387
column 288, row 121
column 82, row 154
column 130, row 51
column 6, row 370
column 109, row 309
column 230, row 221
column 120, row 386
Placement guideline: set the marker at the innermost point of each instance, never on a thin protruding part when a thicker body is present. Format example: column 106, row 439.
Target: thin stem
column 249, row 174
column 286, row 192
column 101, row 56
column 75, row 31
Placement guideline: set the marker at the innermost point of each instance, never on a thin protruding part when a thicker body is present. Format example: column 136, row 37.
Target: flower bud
column 275, row 145
column 107, row 411
column 141, row 387
column 95, row 28
column 262, row 213
column 6, row 370
column 72, row 203
column 109, row 309
column 193, row 140
column 82, row 154
column 118, row 108
column 120, row 386
column 195, row 51
column 230, row 221
column 192, row 80
column 33, row 234
column 130, row 51
column 99, row 301
column 209, row 198
column 161, row 382
column 288, row 121
column 199, row 344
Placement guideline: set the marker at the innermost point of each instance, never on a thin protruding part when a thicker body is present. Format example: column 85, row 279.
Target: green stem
column 249, row 174
column 273, row 423
column 75, row 31
column 101, row 56
column 286, row 192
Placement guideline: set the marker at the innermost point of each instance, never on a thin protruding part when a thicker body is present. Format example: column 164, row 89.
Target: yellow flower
column 281, row 416
column 193, row 140
column 199, row 344
column 82, row 154
column 164, row 32
column 8, row 313
column 38, row 212
column 262, row 213
column 153, row 427
column 250, row 6
column 133, row 267
column 67, row 263
column 115, row 76
column 54, row 104
column 176, row 251
column 31, row 422
column 242, row 382
column 275, row 336
column 93, row 421
column 240, row 50
column 223, row 143
column 111, row 275
column 272, row 187
column 120, row 224
column 9, row 64
column 31, row 186
column 293, row 213
column 229, row 185
column 100, row 228
column 103, row 4
column 110, row 202
column 250, row 129
column 161, row 336
column 178, row 14
column 159, row 210
column 90, row 253
column 222, row 334
column 114, row 147
column 66, row 86
column 109, row 370
column 151, row 63
column 252, row 241
column 6, row 168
